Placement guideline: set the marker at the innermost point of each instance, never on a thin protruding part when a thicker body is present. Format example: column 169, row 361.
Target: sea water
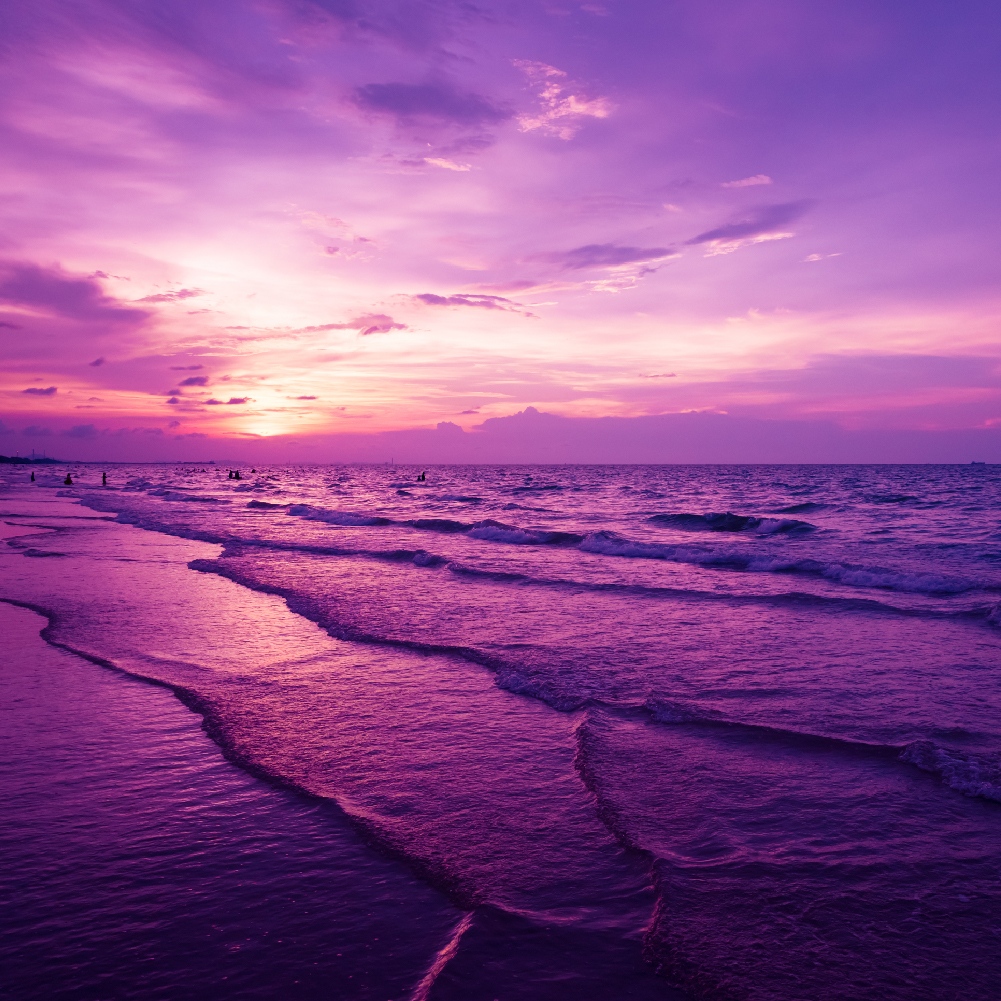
column 646, row 731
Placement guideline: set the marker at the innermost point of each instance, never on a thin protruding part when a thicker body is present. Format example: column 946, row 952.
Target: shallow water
column 734, row 729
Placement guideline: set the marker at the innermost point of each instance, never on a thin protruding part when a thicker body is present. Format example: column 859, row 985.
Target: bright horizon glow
column 322, row 218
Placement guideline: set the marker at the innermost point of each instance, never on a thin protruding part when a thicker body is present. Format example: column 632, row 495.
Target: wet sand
column 139, row 863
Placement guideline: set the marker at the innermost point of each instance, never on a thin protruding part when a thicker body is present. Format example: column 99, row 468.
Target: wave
column 974, row 775
column 602, row 543
column 348, row 519
column 496, row 531
column 180, row 494
column 447, row 525
column 487, row 530
column 977, row 775
column 669, row 711
column 728, row 522
column 259, row 505
column 611, row 544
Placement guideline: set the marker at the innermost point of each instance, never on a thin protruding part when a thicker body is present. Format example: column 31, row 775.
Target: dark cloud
column 186, row 368
column 195, row 380
column 173, row 399
column 96, row 363
column 35, row 391
column 34, row 431
column 181, row 293
column 436, row 101
column 9, row 326
column 766, row 219
column 232, row 401
column 305, row 397
column 55, row 291
column 367, row 323
column 81, row 431
column 483, row 301
column 604, row 255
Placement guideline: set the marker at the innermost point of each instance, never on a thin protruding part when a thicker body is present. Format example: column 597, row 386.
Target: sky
column 764, row 230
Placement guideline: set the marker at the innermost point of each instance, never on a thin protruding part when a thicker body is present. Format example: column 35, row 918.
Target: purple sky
column 303, row 226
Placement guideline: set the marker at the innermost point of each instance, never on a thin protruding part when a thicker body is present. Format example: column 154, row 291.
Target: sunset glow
column 345, row 218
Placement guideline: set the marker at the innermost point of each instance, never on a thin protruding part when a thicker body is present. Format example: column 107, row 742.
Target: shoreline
column 150, row 813
column 485, row 931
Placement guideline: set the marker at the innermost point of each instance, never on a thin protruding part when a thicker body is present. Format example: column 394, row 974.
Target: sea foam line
column 442, row 958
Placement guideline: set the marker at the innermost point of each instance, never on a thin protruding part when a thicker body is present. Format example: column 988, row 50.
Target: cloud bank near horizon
column 530, row 436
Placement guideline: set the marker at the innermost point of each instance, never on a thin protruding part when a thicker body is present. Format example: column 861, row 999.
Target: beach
column 316, row 733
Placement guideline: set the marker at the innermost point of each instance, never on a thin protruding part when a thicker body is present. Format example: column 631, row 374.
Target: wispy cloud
column 367, row 323
column 604, row 255
column 438, row 161
column 766, row 223
column 480, row 301
column 561, row 111
column 748, row 182
column 181, row 293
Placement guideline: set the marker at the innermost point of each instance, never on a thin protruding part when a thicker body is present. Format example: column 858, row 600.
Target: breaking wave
column 728, row 522
column 977, row 775
column 974, row 775
column 611, row 544
column 348, row 519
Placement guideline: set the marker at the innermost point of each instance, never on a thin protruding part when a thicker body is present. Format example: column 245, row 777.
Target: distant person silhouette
column 422, row 477
column 104, row 479
column 32, row 477
column 68, row 481
column 236, row 475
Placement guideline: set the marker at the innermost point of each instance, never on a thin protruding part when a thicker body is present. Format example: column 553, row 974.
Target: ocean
column 507, row 732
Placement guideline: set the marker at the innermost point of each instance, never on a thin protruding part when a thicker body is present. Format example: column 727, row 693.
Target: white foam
column 971, row 774
column 348, row 519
